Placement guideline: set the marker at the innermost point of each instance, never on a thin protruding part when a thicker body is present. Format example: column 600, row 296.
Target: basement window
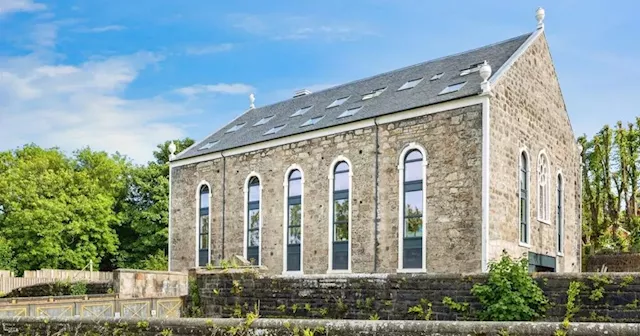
column 338, row 102
column 452, row 88
column 235, row 128
column 209, row 145
column 263, row 121
column 275, row 130
column 312, row 121
column 301, row 111
column 350, row 112
column 437, row 76
column 410, row 84
column 373, row 93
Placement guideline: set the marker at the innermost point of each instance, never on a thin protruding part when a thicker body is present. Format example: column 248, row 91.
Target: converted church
column 437, row 167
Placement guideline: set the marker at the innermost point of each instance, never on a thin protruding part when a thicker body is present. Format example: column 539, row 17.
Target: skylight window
column 410, row 84
column 235, row 128
column 263, row 121
column 311, row 121
column 373, row 93
column 301, row 111
column 338, row 102
column 437, row 76
column 471, row 68
column 350, row 112
column 209, row 145
column 275, row 130
column 452, row 88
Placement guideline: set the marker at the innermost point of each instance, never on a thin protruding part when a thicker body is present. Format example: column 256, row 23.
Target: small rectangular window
column 350, row 112
column 274, row 130
column 338, row 102
column 452, row 88
column 410, row 84
column 437, row 76
column 209, row 145
column 311, row 121
column 301, row 111
column 373, row 93
column 235, row 128
column 263, row 121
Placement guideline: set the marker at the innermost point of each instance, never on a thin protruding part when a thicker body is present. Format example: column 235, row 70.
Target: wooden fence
column 30, row 278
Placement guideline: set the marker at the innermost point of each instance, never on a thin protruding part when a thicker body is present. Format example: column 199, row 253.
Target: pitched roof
column 391, row 100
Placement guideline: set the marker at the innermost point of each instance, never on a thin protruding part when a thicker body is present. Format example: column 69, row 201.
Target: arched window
column 524, row 198
column 412, row 171
column 544, row 210
column 294, row 222
column 253, row 222
column 203, row 226
column 560, row 214
column 340, row 221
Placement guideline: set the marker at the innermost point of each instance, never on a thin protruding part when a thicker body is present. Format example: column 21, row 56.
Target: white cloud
column 72, row 106
column 12, row 6
column 209, row 49
column 44, row 35
column 223, row 88
column 103, row 29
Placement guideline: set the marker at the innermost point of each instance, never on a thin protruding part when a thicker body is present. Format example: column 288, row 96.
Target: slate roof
column 389, row 101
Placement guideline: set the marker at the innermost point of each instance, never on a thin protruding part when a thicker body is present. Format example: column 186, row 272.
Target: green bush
column 78, row 288
column 510, row 293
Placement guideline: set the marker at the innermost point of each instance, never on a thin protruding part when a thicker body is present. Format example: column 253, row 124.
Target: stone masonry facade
column 528, row 112
column 453, row 144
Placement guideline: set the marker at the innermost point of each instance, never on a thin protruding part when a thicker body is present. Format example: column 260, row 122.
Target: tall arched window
column 294, row 221
column 524, row 198
column 340, row 217
column 253, row 226
column 560, row 214
column 203, row 226
column 544, row 210
column 412, row 171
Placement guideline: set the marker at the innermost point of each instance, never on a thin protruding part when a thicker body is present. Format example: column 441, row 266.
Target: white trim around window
column 285, row 225
column 406, row 150
column 527, row 243
column 332, row 167
column 560, row 212
column 197, row 241
column 543, row 188
column 246, row 215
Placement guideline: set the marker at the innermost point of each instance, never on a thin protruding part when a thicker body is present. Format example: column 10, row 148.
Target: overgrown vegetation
column 422, row 311
column 193, row 306
column 510, row 293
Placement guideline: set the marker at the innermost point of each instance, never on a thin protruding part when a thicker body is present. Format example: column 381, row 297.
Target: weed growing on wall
column 510, row 293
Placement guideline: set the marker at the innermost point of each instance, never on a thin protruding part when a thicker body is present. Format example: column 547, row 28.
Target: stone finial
column 172, row 151
column 252, row 100
column 485, row 73
column 540, row 17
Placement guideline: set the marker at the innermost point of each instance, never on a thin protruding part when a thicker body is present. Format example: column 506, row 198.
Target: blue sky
column 125, row 75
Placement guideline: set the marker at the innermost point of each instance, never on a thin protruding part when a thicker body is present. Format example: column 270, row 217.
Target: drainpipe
column 375, row 201
column 224, row 184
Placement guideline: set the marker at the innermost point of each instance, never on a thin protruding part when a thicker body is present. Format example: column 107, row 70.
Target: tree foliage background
column 61, row 211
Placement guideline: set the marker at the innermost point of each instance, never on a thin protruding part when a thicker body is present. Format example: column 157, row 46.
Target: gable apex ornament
column 540, row 14
column 252, row 100
column 172, row 151
column 485, row 73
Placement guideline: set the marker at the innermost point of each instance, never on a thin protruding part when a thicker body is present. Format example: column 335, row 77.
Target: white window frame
column 197, row 258
column 246, row 215
column 332, row 167
column 561, row 223
column 286, row 220
column 401, row 160
column 543, row 210
column 526, row 153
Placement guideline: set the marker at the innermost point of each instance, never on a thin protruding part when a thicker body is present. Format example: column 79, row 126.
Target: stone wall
column 528, row 112
column 620, row 262
column 129, row 283
column 389, row 296
column 269, row 327
column 452, row 140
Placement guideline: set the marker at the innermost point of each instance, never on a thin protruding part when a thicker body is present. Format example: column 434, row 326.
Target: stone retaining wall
column 620, row 262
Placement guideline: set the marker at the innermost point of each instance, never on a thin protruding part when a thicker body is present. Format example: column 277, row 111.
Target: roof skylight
column 373, row 93
column 437, row 76
column 312, row 121
column 350, row 112
column 452, row 88
column 410, row 84
column 209, row 145
column 263, row 121
column 274, row 130
column 235, row 128
column 471, row 68
column 301, row 111
column 338, row 102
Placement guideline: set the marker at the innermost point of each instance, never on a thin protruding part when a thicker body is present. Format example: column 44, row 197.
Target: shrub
column 78, row 288
column 510, row 293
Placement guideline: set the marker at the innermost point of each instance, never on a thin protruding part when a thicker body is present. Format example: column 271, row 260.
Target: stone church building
column 437, row 167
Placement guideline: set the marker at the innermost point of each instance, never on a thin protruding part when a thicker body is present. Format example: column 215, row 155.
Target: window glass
column 413, row 203
column 254, row 238
column 254, row 219
column 341, row 210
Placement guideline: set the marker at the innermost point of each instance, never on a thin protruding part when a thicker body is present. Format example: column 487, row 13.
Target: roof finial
column 540, row 17
column 252, row 100
column 172, row 151
column 485, row 73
